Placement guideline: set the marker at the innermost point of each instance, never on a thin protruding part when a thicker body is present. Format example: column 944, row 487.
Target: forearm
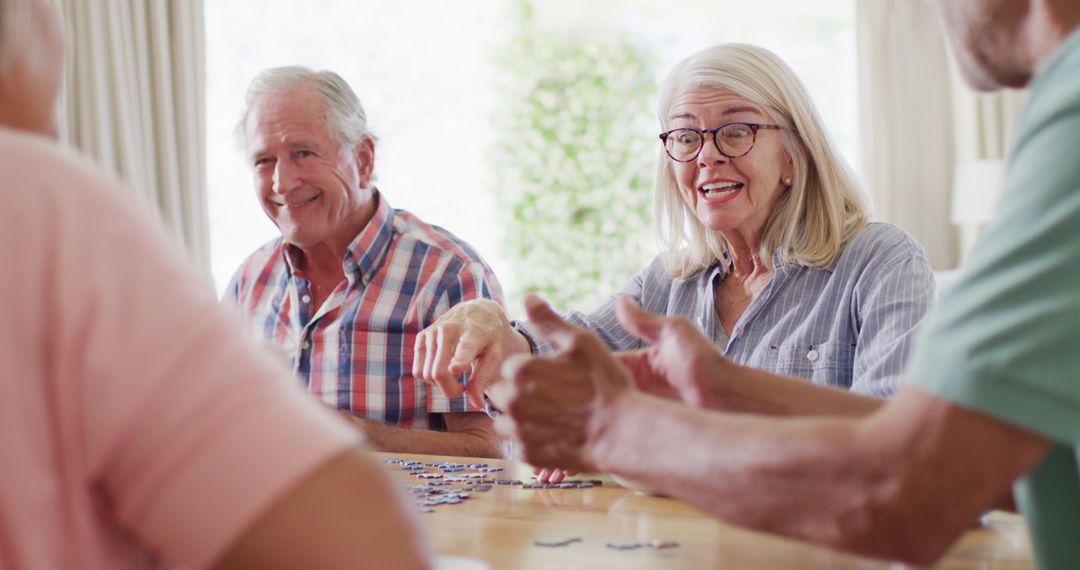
column 801, row 478
column 747, row 390
column 472, row 443
column 902, row 483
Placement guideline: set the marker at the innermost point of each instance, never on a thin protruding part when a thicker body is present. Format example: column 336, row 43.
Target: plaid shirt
column 355, row 351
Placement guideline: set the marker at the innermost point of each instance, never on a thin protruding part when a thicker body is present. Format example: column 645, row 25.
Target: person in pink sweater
column 138, row 428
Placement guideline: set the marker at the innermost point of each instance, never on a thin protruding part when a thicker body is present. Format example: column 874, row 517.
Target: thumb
column 548, row 323
column 485, row 373
column 633, row 360
column 639, row 322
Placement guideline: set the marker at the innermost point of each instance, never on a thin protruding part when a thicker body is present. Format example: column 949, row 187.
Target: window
column 430, row 75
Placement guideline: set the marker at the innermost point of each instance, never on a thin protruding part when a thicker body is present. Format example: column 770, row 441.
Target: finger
column 419, row 352
column 548, row 323
column 537, row 445
column 546, row 384
column 485, row 373
column 446, row 342
column 550, row 474
column 633, row 360
column 447, row 383
column 474, row 392
column 466, row 350
column 513, row 364
column 641, row 323
column 542, row 447
column 429, row 354
column 502, row 395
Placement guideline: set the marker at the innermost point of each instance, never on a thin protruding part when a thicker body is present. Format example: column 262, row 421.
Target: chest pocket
column 829, row 363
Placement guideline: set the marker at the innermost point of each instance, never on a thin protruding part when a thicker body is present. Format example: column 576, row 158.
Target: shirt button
column 306, row 345
column 812, row 356
column 306, row 298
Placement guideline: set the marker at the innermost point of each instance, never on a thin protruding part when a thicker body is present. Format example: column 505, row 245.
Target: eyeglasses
column 732, row 140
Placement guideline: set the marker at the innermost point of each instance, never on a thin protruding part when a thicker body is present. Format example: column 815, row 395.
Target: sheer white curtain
column 906, row 119
column 984, row 135
column 135, row 102
column 985, row 122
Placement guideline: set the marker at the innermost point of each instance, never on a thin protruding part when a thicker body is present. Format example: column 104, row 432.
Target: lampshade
column 977, row 185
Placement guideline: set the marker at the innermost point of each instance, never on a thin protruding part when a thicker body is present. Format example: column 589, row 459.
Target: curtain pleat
column 906, row 121
column 922, row 127
column 135, row 102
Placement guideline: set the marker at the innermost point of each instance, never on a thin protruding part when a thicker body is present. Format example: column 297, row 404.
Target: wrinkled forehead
column 286, row 111
column 704, row 102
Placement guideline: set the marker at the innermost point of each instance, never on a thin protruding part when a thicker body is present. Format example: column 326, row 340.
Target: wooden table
column 500, row 525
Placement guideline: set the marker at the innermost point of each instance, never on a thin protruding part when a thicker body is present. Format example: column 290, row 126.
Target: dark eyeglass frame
column 754, row 127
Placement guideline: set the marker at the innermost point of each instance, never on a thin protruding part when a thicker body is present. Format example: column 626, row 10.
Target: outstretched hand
column 470, row 336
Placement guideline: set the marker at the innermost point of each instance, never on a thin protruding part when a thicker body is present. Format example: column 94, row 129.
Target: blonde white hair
column 814, row 218
column 345, row 116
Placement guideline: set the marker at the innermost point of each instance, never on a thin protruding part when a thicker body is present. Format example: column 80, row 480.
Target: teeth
column 724, row 187
column 300, row 203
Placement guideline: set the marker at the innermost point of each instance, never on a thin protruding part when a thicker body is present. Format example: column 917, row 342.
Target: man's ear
column 365, row 160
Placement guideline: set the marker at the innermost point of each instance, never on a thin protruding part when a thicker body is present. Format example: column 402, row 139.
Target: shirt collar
column 367, row 250
column 719, row 267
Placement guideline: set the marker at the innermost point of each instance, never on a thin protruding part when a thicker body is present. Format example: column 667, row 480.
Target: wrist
column 613, row 425
column 714, row 377
column 515, row 341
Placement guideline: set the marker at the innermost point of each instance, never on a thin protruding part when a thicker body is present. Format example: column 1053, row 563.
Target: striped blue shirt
column 849, row 325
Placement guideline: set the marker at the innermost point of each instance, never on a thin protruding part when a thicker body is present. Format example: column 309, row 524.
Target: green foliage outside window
column 574, row 163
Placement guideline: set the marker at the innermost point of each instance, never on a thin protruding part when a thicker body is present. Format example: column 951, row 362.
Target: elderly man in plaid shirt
column 351, row 281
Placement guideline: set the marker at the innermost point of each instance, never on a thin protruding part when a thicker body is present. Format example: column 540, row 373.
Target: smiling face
column 314, row 190
column 728, row 195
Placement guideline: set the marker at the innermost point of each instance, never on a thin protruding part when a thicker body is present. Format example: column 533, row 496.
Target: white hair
column 813, row 219
column 345, row 116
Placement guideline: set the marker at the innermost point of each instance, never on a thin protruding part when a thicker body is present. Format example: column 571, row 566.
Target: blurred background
column 525, row 127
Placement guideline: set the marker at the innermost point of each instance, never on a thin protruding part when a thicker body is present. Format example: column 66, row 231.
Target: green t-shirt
column 1006, row 339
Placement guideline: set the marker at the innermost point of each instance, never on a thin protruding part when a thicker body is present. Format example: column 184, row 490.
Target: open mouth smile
column 297, row 204
column 719, row 190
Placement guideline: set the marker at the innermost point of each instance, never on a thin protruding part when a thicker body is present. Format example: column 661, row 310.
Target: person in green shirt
column 993, row 391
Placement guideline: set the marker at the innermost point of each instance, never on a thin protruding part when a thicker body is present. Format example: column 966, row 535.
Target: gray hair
column 815, row 217
column 345, row 116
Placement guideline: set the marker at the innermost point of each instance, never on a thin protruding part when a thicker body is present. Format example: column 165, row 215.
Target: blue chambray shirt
column 849, row 325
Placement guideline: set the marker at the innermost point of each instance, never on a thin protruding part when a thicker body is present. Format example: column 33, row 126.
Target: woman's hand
column 552, row 474
column 679, row 363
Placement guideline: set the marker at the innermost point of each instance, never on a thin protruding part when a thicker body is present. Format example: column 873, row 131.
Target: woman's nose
column 710, row 153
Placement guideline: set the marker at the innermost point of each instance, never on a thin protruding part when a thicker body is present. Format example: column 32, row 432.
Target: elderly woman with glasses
column 766, row 248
